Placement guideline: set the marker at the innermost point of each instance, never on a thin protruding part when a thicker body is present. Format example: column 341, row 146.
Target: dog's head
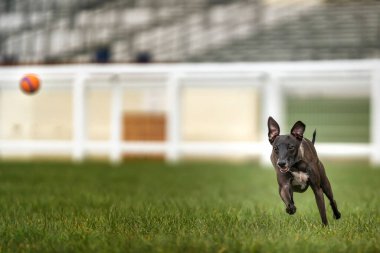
column 285, row 147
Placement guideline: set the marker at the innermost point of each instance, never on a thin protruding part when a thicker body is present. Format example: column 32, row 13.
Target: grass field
column 188, row 207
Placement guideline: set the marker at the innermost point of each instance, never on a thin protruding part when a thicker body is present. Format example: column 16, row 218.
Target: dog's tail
column 314, row 134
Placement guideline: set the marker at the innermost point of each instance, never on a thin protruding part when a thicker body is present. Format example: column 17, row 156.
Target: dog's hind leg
column 326, row 187
column 327, row 190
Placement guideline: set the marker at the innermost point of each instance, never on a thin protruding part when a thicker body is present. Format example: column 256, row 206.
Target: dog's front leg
column 286, row 194
column 319, row 198
column 315, row 184
column 318, row 193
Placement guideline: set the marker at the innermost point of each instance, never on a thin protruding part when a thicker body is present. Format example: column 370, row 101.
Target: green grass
column 336, row 119
column 189, row 207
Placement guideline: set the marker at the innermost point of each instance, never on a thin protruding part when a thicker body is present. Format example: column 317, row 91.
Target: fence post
column 375, row 115
column 79, row 117
column 173, row 117
column 273, row 105
column 116, row 121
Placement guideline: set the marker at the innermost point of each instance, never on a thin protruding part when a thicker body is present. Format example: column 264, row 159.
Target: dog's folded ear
column 298, row 129
column 273, row 130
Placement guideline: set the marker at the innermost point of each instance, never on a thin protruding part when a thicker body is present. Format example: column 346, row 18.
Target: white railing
column 273, row 80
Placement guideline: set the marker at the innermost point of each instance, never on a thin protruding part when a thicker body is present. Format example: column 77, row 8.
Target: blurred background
column 108, row 69
column 68, row 31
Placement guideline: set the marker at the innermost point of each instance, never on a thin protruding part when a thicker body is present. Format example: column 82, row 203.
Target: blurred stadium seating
column 331, row 31
column 67, row 31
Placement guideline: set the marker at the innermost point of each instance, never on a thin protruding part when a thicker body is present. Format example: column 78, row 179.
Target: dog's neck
column 299, row 159
column 301, row 152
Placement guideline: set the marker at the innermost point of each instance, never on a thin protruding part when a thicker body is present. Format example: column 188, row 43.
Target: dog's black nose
column 281, row 164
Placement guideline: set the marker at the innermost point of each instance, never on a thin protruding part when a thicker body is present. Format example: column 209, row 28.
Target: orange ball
column 30, row 83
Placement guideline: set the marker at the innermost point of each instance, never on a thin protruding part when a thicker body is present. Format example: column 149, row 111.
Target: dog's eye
column 275, row 148
column 291, row 147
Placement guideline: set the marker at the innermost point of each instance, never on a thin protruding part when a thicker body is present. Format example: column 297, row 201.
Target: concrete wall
column 220, row 114
column 208, row 114
column 46, row 115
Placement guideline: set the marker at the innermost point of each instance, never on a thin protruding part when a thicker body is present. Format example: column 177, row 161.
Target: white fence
column 273, row 80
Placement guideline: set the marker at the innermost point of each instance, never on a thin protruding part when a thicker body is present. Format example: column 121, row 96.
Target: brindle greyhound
column 297, row 166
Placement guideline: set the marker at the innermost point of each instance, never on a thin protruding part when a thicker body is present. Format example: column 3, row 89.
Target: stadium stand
column 70, row 31
column 331, row 31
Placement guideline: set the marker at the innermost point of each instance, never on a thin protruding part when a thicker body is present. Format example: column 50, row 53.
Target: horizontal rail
column 163, row 69
column 352, row 150
column 185, row 148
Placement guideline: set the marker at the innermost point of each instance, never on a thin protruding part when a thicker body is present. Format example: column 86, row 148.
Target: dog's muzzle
column 283, row 169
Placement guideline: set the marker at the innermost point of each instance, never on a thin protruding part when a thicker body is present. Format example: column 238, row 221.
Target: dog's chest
column 300, row 179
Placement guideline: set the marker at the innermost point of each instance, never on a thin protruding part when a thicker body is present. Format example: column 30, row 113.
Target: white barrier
column 272, row 79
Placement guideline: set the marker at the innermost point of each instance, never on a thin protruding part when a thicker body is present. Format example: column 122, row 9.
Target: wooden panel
column 144, row 127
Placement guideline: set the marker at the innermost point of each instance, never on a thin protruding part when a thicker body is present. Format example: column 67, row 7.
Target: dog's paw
column 291, row 210
column 337, row 216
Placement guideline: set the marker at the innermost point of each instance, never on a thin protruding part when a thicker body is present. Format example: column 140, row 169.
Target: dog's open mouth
column 284, row 170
